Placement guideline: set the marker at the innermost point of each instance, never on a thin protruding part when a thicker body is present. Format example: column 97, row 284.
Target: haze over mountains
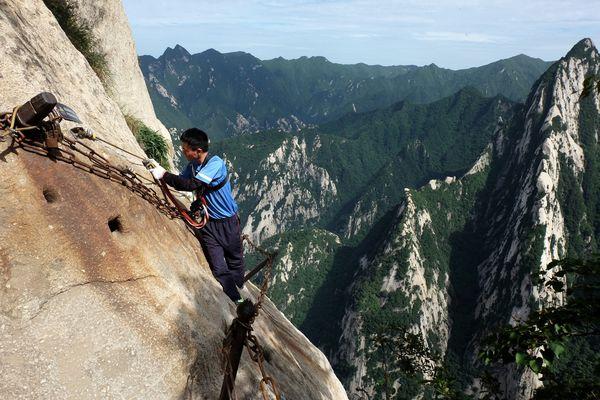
column 401, row 200
column 367, row 240
column 405, row 196
column 236, row 93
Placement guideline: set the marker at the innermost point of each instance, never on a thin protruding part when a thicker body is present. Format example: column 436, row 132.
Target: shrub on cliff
column 151, row 142
column 559, row 343
column 80, row 35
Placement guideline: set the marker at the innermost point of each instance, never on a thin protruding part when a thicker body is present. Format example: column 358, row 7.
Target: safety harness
column 198, row 214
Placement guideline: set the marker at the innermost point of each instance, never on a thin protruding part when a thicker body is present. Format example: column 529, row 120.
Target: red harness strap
column 183, row 210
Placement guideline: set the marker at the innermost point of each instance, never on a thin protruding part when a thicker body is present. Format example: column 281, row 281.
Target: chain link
column 267, row 275
column 255, row 350
column 98, row 166
column 258, row 356
column 101, row 167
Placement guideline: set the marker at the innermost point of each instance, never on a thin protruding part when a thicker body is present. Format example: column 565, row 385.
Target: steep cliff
column 305, row 259
column 293, row 191
column 455, row 258
column 126, row 86
column 405, row 280
column 462, row 254
column 541, row 203
column 100, row 294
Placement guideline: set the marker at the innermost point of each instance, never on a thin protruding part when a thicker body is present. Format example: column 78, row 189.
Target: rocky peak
column 176, row 53
column 181, row 50
column 545, row 150
column 100, row 293
column 583, row 48
column 210, row 53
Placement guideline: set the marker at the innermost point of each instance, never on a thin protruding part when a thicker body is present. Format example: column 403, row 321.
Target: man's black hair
column 195, row 138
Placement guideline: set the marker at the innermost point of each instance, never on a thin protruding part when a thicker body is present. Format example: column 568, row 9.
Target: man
column 221, row 236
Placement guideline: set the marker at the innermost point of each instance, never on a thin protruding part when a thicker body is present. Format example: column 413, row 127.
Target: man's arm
column 184, row 181
column 181, row 183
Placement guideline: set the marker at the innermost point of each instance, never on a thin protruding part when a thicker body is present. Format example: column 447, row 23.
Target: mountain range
column 346, row 174
column 236, row 93
column 404, row 196
column 436, row 216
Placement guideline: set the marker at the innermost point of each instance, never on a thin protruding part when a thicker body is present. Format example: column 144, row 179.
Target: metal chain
column 257, row 355
column 267, row 276
column 98, row 166
column 255, row 350
column 101, row 167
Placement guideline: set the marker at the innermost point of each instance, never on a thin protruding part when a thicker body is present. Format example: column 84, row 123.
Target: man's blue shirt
column 220, row 202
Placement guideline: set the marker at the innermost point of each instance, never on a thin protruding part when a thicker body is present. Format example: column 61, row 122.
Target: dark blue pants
column 222, row 245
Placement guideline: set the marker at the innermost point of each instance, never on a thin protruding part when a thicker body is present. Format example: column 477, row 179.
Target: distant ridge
column 236, row 93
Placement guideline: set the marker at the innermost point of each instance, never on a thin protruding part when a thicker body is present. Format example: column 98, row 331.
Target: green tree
column 402, row 366
column 542, row 342
column 396, row 354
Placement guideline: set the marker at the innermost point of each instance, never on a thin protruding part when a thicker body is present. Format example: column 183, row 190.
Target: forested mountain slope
column 450, row 258
column 236, row 93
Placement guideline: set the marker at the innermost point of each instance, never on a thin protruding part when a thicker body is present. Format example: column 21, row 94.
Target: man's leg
column 214, row 254
column 234, row 251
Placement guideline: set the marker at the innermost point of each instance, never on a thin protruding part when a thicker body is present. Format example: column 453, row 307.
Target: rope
column 181, row 208
column 81, row 133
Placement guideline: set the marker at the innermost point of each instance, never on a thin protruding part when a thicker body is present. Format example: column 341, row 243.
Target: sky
column 450, row 33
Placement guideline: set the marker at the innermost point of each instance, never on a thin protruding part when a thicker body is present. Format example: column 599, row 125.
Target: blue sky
column 452, row 34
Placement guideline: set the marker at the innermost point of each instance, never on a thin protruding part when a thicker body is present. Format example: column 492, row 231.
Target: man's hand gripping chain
column 155, row 168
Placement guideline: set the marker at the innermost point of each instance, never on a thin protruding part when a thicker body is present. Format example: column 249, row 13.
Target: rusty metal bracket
column 233, row 346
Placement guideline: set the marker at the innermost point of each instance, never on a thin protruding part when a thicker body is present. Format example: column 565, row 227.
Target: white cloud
column 457, row 33
column 460, row 37
column 363, row 35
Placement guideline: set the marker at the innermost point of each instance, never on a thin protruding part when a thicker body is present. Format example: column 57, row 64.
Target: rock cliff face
column 303, row 262
column 101, row 296
column 482, row 238
column 281, row 202
column 126, row 86
column 539, row 202
column 457, row 256
column 407, row 278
